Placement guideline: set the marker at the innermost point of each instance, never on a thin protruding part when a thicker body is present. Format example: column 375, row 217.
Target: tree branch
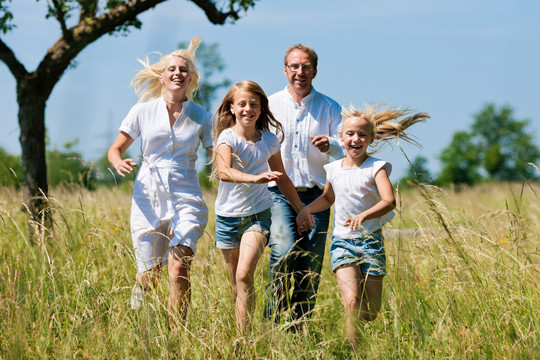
column 14, row 65
column 66, row 48
column 89, row 9
column 213, row 14
column 60, row 55
column 60, row 15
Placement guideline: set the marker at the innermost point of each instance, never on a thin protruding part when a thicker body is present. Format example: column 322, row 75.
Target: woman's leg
column 231, row 260
column 148, row 280
column 251, row 249
column 150, row 247
column 180, row 258
column 144, row 282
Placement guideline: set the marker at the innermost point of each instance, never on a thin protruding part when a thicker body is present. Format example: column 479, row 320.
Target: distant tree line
column 498, row 147
column 64, row 167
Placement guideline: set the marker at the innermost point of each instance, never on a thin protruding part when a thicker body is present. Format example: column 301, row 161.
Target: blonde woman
column 168, row 214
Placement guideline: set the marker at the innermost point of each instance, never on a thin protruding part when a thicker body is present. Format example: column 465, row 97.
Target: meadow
column 463, row 283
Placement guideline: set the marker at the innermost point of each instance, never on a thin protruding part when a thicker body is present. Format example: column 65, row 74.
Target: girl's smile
column 246, row 108
column 356, row 136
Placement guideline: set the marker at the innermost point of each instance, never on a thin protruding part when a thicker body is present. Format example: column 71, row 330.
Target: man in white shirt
column 310, row 120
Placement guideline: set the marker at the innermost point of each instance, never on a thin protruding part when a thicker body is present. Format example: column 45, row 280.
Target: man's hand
column 321, row 142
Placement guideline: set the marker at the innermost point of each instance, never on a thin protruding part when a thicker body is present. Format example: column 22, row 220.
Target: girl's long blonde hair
column 224, row 118
column 146, row 82
column 382, row 126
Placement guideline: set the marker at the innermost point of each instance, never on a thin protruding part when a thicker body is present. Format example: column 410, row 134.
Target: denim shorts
column 367, row 252
column 229, row 230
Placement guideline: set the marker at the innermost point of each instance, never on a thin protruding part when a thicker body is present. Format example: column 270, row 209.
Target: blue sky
column 447, row 58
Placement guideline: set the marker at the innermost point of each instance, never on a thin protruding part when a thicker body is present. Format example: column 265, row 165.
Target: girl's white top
column 241, row 199
column 355, row 191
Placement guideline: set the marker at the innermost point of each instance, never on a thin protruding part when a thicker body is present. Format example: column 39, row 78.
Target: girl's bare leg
column 349, row 279
column 251, row 249
column 231, row 260
column 372, row 297
column 361, row 295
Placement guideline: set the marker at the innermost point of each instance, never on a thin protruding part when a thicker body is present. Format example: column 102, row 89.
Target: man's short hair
column 311, row 53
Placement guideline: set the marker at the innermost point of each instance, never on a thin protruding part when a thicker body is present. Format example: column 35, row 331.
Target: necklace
column 173, row 102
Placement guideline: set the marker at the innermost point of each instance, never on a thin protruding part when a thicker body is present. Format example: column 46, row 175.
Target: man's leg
column 308, row 264
column 283, row 237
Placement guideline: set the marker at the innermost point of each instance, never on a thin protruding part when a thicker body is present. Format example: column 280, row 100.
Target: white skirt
column 165, row 200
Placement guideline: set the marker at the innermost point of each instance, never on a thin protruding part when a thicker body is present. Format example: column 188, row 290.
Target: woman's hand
column 124, row 166
column 117, row 149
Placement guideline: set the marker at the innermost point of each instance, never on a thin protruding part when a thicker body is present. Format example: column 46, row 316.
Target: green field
column 463, row 283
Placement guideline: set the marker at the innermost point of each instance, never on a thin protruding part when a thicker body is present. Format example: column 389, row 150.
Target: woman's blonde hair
column 146, row 82
column 224, row 118
column 381, row 124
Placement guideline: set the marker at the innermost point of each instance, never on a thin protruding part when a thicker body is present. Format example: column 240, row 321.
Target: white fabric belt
column 155, row 175
column 173, row 166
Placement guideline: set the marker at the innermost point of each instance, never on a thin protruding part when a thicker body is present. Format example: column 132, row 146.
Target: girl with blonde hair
column 168, row 214
column 244, row 150
column 364, row 198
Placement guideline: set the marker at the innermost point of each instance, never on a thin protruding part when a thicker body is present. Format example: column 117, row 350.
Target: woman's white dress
column 166, row 193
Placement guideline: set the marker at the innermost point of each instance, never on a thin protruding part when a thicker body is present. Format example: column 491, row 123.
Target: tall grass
column 463, row 282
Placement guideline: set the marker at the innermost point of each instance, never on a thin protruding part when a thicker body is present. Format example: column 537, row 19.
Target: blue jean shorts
column 367, row 252
column 229, row 230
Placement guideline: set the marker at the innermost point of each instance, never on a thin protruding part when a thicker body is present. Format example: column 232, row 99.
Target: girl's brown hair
column 224, row 118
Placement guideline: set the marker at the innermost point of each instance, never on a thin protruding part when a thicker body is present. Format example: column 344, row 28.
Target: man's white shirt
column 318, row 115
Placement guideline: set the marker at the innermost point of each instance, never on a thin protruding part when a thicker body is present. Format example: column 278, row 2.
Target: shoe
column 137, row 297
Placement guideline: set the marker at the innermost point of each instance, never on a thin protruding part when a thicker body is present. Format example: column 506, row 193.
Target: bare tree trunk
column 31, row 101
column 34, row 88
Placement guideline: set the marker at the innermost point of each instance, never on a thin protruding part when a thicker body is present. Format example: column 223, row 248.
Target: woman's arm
column 387, row 203
column 117, row 149
column 227, row 173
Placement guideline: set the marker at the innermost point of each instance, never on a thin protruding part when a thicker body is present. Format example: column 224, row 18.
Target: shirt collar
column 306, row 98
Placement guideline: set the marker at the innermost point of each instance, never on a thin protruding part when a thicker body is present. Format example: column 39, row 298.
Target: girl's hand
column 267, row 177
column 304, row 221
column 125, row 166
column 355, row 223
